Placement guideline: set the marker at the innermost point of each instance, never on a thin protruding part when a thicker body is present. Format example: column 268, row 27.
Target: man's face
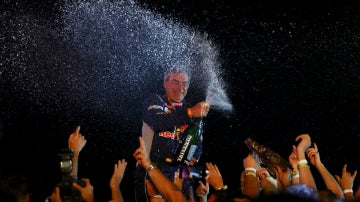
column 176, row 86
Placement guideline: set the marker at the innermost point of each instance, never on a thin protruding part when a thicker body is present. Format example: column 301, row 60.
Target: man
column 165, row 117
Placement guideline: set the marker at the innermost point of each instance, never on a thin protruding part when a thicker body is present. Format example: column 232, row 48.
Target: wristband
column 224, row 187
column 303, row 165
column 303, row 161
column 250, row 173
column 348, row 191
column 189, row 112
column 148, row 169
column 250, row 169
column 295, row 172
column 157, row 196
column 296, row 176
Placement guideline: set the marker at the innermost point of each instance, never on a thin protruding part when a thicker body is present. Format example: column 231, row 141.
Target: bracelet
column 348, row 191
column 189, row 112
column 296, row 176
column 148, row 169
column 295, row 172
column 157, row 196
column 224, row 187
column 303, row 165
column 250, row 173
column 302, row 161
column 250, row 169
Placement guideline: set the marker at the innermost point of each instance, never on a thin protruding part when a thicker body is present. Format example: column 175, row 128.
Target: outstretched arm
column 166, row 188
column 118, row 175
column 293, row 160
column 76, row 143
column 329, row 180
column 251, row 187
column 306, row 176
column 346, row 182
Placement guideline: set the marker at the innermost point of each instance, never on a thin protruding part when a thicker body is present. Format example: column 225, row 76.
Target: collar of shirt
column 172, row 105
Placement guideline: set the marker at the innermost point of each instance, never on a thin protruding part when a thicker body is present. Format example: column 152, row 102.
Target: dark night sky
column 288, row 69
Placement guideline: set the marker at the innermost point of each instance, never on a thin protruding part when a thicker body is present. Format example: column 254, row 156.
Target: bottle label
column 191, row 152
column 183, row 149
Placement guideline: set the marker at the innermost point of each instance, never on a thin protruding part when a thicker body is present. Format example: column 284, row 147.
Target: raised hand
column 346, row 180
column 118, row 175
column 76, row 141
column 215, row 179
column 87, row 192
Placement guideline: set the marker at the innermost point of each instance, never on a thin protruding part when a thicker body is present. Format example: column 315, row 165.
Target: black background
column 289, row 69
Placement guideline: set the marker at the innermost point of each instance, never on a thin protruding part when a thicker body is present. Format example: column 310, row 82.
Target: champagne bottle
column 188, row 143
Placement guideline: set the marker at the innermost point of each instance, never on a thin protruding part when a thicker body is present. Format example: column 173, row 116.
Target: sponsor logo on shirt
column 173, row 134
column 165, row 110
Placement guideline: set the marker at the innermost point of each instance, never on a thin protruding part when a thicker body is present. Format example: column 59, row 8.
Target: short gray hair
column 176, row 69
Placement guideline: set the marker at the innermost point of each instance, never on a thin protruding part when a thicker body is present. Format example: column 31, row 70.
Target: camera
column 67, row 192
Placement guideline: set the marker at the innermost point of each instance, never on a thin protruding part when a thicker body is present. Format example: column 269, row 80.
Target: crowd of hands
column 255, row 180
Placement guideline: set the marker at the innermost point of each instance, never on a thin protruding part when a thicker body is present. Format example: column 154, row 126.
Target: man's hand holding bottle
column 201, row 109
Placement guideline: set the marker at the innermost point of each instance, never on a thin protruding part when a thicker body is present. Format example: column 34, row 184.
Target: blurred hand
column 141, row 155
column 177, row 180
column 346, row 180
column 76, row 141
column 262, row 173
column 55, row 196
column 201, row 109
column 313, row 155
column 87, row 192
column 305, row 142
column 215, row 179
column 118, row 175
column 293, row 159
column 202, row 190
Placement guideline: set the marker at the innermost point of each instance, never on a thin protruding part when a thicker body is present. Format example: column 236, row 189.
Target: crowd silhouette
column 266, row 176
